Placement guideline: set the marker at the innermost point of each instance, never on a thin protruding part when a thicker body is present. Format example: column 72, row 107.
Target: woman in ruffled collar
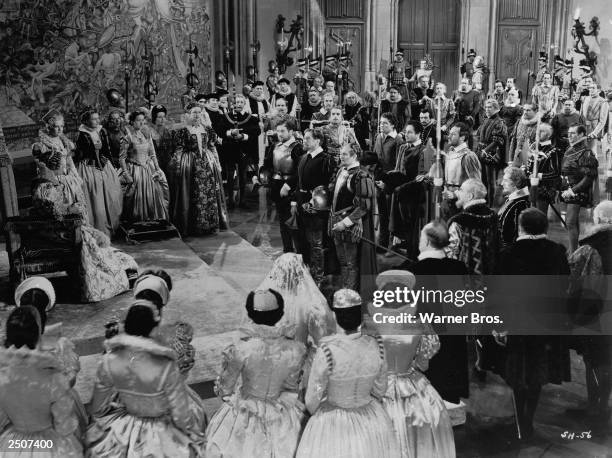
column 102, row 186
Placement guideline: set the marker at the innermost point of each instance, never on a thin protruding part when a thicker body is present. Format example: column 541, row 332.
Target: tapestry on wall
column 66, row 54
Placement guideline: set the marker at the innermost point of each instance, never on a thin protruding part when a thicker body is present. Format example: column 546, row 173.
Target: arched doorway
column 432, row 27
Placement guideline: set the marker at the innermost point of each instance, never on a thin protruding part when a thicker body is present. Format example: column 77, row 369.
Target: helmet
column 320, row 198
column 114, row 97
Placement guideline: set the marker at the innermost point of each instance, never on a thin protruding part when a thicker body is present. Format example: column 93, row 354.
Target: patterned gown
column 102, row 270
column 197, row 205
column 147, row 198
column 263, row 418
column 36, row 404
column 67, row 174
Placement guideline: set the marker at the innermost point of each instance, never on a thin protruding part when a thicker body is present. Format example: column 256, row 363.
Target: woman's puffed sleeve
column 428, row 347
column 230, row 370
column 104, row 391
column 292, row 381
column 65, row 421
column 65, row 351
column 319, row 378
column 178, row 400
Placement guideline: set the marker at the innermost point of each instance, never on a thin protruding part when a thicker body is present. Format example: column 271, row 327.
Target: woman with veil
column 306, row 308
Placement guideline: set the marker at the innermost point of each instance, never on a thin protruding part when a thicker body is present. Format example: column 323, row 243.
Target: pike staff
column 438, row 175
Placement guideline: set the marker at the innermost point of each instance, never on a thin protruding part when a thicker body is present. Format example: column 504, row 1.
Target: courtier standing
column 473, row 231
column 549, row 166
column 241, row 147
column 532, row 361
column 351, row 217
column 409, row 198
column 315, row 170
column 386, row 147
column 396, row 105
column 448, row 369
column 492, row 140
column 281, row 163
column 562, row 121
column 579, row 167
column 514, row 184
column 467, row 103
column 460, row 164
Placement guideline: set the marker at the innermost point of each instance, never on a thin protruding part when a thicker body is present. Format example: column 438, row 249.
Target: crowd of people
column 350, row 178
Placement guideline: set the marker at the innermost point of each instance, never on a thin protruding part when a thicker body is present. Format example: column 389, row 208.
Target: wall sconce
column 285, row 45
column 579, row 32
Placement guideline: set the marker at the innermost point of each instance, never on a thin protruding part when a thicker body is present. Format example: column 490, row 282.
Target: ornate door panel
column 431, row 27
column 354, row 34
column 519, row 35
column 515, row 53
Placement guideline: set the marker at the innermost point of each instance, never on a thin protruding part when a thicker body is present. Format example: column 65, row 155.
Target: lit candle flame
column 577, row 13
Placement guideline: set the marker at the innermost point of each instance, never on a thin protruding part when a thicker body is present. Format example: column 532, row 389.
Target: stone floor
column 212, row 276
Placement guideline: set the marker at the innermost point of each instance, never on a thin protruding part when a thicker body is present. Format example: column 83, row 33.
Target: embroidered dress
column 67, row 174
column 348, row 377
column 103, row 270
column 36, row 405
column 140, row 405
column 197, row 203
column 263, row 418
column 147, row 198
column 100, row 180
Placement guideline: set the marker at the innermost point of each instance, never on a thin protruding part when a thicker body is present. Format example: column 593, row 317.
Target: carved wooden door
column 352, row 33
column 515, row 54
column 345, row 20
column 431, row 27
column 519, row 32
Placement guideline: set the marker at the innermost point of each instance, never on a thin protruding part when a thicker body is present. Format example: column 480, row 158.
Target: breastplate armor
column 282, row 161
column 454, row 169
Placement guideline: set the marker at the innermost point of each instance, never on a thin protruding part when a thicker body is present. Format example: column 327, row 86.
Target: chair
column 37, row 245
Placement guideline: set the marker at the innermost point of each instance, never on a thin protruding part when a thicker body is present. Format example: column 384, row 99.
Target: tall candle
column 577, row 13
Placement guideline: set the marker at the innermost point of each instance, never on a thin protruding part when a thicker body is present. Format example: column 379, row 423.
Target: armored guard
column 280, row 167
column 315, row 171
column 399, row 73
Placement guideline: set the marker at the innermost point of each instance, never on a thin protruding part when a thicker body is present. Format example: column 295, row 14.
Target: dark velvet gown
column 197, row 203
